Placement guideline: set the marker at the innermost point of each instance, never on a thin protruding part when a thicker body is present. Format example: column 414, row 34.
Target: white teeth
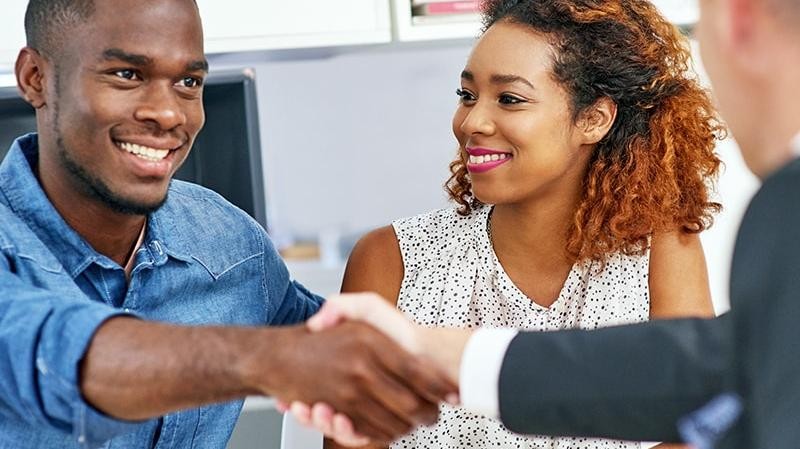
column 487, row 158
column 147, row 153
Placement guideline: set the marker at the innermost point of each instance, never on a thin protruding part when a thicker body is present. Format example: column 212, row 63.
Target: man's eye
column 126, row 74
column 191, row 81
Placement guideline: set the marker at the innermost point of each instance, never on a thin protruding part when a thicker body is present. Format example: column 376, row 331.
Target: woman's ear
column 596, row 120
column 30, row 70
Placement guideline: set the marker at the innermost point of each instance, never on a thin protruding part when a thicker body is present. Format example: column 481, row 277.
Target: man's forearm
column 136, row 369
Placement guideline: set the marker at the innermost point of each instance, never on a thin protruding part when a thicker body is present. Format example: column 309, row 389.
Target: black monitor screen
column 226, row 156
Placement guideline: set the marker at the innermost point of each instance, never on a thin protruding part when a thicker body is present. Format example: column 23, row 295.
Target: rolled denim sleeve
column 42, row 341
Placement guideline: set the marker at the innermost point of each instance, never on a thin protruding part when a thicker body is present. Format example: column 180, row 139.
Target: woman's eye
column 126, row 74
column 464, row 96
column 510, row 99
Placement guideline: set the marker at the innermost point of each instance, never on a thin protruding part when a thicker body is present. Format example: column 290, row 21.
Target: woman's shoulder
column 440, row 234
column 437, row 224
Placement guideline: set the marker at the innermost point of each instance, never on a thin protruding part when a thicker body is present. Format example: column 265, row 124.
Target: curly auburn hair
column 653, row 171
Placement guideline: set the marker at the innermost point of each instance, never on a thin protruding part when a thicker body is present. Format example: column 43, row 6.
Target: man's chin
column 129, row 205
column 133, row 207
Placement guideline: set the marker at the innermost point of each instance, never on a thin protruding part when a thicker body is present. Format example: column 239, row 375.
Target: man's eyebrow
column 201, row 65
column 467, row 75
column 131, row 58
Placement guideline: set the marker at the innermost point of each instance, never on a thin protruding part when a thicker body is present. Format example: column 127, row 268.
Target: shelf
column 683, row 13
column 434, row 29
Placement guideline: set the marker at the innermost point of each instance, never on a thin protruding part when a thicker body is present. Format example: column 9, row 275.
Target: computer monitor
column 226, row 156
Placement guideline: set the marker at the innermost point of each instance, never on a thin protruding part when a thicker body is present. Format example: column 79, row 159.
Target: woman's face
column 514, row 120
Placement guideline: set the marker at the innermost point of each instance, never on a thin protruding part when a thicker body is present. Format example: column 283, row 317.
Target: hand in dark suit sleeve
column 629, row 382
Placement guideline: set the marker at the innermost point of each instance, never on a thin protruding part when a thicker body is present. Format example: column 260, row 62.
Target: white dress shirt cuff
column 480, row 370
column 796, row 145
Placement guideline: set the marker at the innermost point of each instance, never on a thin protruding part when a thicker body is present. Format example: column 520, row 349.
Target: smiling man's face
column 126, row 103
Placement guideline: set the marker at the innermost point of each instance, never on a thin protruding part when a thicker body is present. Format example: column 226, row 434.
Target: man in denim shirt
column 96, row 241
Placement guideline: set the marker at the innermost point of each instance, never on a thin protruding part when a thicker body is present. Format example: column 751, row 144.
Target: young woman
column 586, row 152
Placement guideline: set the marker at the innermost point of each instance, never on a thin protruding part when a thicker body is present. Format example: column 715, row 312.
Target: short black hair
column 47, row 22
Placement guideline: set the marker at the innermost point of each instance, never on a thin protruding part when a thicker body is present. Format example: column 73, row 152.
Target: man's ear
column 595, row 121
column 30, row 70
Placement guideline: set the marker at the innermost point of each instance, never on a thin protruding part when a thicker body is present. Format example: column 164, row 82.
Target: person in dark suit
column 728, row 382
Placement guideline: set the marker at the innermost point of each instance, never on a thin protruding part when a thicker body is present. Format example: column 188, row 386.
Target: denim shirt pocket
column 218, row 267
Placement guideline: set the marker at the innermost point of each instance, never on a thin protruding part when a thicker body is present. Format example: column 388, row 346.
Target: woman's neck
column 534, row 230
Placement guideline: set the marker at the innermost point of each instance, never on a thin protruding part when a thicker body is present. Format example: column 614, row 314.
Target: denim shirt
column 202, row 262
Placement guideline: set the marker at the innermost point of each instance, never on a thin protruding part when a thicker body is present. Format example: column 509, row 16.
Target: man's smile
column 144, row 152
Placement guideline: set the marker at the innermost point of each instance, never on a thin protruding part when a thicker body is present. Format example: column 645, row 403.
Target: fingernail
column 453, row 399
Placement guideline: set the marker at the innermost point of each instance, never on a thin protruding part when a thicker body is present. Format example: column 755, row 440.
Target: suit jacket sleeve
column 634, row 382
column 629, row 382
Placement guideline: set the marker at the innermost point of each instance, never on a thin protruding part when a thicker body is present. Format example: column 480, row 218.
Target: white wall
column 354, row 138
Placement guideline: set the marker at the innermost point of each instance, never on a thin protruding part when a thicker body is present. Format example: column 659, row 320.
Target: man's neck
column 776, row 111
column 110, row 233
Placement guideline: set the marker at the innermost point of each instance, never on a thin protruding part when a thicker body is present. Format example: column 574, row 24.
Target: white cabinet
column 244, row 25
column 12, row 32
column 241, row 25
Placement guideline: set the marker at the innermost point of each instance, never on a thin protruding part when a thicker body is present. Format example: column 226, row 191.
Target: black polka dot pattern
column 453, row 279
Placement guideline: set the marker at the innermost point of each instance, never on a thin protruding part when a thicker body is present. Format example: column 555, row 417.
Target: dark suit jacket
column 635, row 382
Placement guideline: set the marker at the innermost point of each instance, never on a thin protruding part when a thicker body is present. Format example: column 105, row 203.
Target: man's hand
column 371, row 309
column 443, row 346
column 360, row 372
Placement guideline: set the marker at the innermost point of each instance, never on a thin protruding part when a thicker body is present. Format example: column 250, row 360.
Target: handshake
column 394, row 383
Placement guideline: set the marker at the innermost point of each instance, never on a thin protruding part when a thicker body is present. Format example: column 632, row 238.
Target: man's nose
column 162, row 107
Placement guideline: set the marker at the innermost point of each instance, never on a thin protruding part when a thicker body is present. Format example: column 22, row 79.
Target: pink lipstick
column 482, row 160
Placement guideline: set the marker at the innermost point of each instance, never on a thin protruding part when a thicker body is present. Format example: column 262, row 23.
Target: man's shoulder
column 204, row 204
column 7, row 222
column 12, row 228
column 777, row 199
column 198, row 211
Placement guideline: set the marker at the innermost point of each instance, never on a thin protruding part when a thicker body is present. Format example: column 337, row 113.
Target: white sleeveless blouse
column 453, row 279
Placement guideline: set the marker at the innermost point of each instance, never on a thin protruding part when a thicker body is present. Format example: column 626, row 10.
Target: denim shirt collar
column 20, row 189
